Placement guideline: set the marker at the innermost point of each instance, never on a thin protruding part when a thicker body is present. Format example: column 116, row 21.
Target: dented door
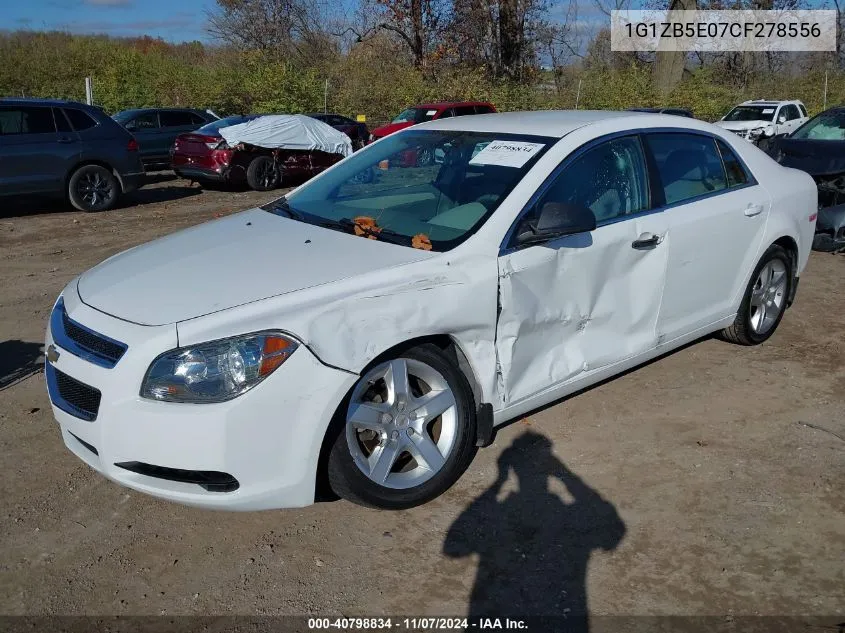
column 578, row 304
column 582, row 302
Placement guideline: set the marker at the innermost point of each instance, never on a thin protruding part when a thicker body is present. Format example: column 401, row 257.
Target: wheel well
column 84, row 163
column 791, row 247
column 448, row 346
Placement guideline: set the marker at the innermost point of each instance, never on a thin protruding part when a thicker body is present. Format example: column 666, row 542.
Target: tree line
column 379, row 56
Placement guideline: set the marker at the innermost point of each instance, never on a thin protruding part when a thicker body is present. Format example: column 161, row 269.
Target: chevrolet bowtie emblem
column 52, row 354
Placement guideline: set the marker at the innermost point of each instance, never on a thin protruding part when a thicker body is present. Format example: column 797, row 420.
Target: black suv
column 157, row 128
column 66, row 148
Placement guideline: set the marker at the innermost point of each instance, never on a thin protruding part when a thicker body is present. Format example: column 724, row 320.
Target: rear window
column 80, row 120
column 176, row 119
column 26, row 120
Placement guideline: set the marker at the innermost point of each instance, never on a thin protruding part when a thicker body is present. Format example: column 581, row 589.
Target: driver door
column 576, row 304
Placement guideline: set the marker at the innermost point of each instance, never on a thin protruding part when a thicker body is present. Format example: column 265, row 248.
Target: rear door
column 716, row 214
column 172, row 124
column 582, row 302
column 146, row 130
column 792, row 119
column 33, row 152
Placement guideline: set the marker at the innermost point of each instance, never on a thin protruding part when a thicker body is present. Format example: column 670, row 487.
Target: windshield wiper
column 385, row 235
column 284, row 206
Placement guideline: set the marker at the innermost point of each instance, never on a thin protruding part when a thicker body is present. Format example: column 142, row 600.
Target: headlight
column 757, row 131
column 216, row 371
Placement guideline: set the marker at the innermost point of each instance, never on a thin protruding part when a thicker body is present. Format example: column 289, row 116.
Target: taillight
column 132, row 145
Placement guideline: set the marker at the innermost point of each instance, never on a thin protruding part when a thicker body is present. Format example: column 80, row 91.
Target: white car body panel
column 533, row 324
column 776, row 126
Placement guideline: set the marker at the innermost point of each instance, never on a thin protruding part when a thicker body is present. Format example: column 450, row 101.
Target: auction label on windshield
column 506, row 153
column 718, row 31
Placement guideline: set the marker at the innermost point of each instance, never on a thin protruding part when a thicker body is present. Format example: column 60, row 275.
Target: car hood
column 742, row 125
column 817, row 158
column 236, row 260
column 390, row 128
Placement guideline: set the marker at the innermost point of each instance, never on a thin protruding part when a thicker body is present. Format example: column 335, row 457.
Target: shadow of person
column 19, row 360
column 534, row 547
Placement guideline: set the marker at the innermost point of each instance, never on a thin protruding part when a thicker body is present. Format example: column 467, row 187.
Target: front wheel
column 93, row 188
column 408, row 434
column 764, row 301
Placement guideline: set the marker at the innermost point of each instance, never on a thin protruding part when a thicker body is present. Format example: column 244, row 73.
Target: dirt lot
column 709, row 482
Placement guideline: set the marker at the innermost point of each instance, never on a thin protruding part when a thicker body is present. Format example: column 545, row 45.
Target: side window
column 464, row 110
column 145, row 121
column 80, row 120
column 733, row 168
column 196, row 119
column 170, row 118
column 26, row 120
column 802, row 109
column 446, row 113
column 688, row 164
column 483, row 109
column 610, row 179
column 62, row 124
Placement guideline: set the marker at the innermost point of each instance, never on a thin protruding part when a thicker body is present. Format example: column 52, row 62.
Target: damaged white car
column 365, row 333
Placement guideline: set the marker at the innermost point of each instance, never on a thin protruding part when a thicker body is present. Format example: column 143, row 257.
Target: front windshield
column 430, row 189
column 827, row 126
column 415, row 115
column 214, row 126
column 751, row 113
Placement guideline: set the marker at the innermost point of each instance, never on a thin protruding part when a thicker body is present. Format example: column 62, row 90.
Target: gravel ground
column 707, row 482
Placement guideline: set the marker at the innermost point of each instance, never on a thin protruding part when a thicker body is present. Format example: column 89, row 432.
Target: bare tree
column 281, row 28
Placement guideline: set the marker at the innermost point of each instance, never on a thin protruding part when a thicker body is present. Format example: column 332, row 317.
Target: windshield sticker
column 768, row 110
column 506, row 153
column 431, row 112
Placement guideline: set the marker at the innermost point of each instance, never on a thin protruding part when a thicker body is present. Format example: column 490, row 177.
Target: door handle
column 646, row 241
column 753, row 209
column 65, row 139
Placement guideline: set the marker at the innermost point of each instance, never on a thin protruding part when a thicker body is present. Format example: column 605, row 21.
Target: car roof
column 134, row 110
column 555, row 123
column 769, row 102
column 39, row 101
column 442, row 105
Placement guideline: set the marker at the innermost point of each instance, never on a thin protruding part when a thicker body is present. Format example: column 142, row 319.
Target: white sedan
column 365, row 333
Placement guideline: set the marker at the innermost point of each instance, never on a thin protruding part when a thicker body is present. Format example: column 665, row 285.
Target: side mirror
column 556, row 219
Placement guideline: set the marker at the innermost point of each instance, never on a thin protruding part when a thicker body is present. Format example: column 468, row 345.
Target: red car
column 430, row 112
column 203, row 156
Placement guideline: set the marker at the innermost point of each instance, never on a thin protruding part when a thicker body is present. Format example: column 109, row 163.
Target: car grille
column 91, row 341
column 83, row 342
column 70, row 395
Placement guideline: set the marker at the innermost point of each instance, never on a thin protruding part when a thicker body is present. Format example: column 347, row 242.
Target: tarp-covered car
column 263, row 151
column 818, row 148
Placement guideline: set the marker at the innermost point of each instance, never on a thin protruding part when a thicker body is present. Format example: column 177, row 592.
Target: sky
column 172, row 20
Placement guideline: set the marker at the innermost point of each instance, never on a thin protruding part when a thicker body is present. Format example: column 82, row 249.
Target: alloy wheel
column 401, row 423
column 768, row 296
column 94, row 189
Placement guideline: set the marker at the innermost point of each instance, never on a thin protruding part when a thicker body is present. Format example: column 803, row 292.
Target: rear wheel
column 765, row 299
column 93, row 188
column 262, row 174
column 408, row 433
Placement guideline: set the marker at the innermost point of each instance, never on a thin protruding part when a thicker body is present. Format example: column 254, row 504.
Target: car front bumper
column 257, row 451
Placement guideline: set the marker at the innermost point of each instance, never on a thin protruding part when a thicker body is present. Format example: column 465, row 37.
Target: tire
column 93, row 188
column 765, row 299
column 394, row 442
column 262, row 174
